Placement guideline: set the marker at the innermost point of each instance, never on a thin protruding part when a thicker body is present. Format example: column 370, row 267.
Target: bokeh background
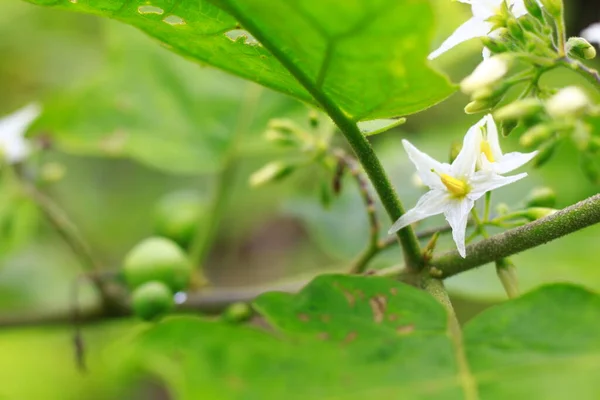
column 129, row 123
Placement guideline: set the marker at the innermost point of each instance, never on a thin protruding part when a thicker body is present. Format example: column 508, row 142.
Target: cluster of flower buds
column 545, row 123
column 309, row 145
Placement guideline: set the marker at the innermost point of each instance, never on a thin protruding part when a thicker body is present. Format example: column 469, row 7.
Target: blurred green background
column 133, row 122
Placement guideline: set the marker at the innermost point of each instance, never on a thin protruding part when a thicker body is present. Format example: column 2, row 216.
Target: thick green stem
column 360, row 145
column 571, row 219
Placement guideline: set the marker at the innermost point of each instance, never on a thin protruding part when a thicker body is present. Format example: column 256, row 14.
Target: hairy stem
column 590, row 74
column 373, row 247
column 564, row 222
column 360, row 145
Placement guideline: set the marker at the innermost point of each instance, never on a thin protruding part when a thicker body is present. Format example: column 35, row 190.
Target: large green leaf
column 157, row 108
column 366, row 56
column 362, row 337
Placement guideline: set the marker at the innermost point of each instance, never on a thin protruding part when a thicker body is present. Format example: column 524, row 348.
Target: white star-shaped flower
column 455, row 188
column 491, row 157
column 478, row 25
column 13, row 145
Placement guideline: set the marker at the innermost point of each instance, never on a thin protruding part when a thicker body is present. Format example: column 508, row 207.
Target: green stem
column 436, row 288
column 360, row 145
column 206, row 233
column 569, row 220
column 488, row 203
column 507, row 273
column 590, row 74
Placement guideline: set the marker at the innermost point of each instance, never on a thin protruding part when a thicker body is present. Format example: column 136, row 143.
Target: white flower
column 592, row 33
column 567, row 102
column 491, row 157
column 13, row 145
column 454, row 188
column 478, row 25
column 486, row 74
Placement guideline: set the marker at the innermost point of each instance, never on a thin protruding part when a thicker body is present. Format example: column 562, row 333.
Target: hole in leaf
column 174, row 20
column 150, row 10
column 243, row 36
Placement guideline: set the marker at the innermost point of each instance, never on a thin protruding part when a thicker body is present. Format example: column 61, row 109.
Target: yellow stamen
column 487, row 150
column 457, row 187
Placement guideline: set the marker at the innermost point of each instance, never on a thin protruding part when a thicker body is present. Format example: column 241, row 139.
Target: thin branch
column 569, row 220
column 590, row 74
column 348, row 163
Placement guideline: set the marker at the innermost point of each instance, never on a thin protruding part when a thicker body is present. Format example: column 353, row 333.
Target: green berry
column 237, row 312
column 178, row 215
column 151, row 300
column 157, row 259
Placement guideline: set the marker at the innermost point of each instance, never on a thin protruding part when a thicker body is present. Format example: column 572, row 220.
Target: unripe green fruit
column 157, row 259
column 151, row 300
column 177, row 216
column 237, row 312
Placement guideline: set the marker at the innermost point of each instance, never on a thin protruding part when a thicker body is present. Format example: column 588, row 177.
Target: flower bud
column 568, row 102
column 519, row 109
column 515, row 29
column 271, row 172
column 541, row 197
column 485, row 75
column 495, row 45
column 534, row 9
column 535, row 213
column 281, row 138
column 478, row 106
column 580, row 48
column 553, row 7
column 545, row 153
column 536, row 135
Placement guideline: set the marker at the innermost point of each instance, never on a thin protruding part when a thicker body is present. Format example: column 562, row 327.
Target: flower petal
column 425, row 164
column 457, row 215
column 473, row 28
column 511, row 161
column 592, row 33
column 431, row 203
column 492, row 136
column 484, row 181
column 464, row 164
column 12, row 130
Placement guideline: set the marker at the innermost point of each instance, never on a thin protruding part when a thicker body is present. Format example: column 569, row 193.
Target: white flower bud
column 568, row 101
column 486, row 74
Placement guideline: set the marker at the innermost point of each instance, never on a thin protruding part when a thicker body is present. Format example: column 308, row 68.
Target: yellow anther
column 457, row 187
column 487, row 150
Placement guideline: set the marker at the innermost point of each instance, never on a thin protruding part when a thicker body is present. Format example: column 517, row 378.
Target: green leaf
column 338, row 345
column 156, row 108
column 543, row 345
column 369, row 60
